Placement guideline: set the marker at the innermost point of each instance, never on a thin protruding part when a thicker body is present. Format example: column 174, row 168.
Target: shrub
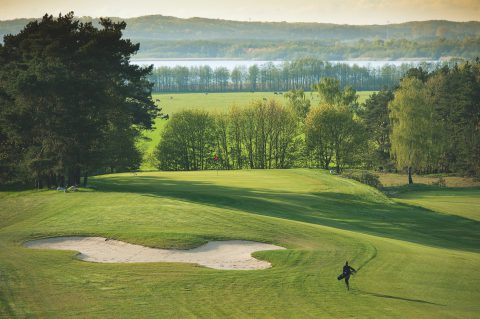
column 441, row 182
column 364, row 177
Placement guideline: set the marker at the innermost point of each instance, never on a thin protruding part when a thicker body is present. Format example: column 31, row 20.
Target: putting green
column 413, row 262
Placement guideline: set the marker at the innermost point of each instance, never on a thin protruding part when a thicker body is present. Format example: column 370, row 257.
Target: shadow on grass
column 418, row 189
column 340, row 210
column 399, row 298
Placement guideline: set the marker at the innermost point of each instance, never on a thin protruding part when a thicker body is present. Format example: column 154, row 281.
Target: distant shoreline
column 201, row 59
column 262, row 60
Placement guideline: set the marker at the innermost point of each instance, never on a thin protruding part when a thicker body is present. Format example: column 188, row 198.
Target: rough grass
column 414, row 262
column 392, row 179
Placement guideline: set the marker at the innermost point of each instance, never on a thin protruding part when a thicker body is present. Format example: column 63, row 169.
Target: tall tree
column 456, row 98
column 67, row 87
column 377, row 121
column 187, row 141
column 333, row 134
column 298, row 103
column 413, row 126
column 330, row 92
column 253, row 76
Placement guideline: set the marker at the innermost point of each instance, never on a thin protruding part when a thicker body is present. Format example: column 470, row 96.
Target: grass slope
column 413, row 262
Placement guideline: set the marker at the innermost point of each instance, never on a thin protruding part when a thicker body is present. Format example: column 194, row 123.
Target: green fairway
column 213, row 102
column 413, row 262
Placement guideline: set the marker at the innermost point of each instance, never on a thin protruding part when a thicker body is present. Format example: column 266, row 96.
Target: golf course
column 192, row 164
column 412, row 259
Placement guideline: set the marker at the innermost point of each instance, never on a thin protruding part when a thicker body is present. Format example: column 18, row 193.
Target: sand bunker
column 232, row 254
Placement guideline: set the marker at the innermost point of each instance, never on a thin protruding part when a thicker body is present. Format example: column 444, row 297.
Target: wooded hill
column 160, row 27
column 171, row 37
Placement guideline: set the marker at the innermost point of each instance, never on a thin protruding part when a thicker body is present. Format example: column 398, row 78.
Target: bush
column 441, row 182
column 364, row 177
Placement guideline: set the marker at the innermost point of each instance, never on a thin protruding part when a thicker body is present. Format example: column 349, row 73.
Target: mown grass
column 414, row 262
column 458, row 196
column 460, row 201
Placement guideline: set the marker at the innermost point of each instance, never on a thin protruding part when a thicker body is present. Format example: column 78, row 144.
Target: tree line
column 263, row 135
column 297, row 74
column 429, row 123
column 71, row 104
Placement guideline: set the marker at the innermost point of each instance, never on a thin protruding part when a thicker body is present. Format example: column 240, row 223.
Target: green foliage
column 299, row 103
column 333, row 134
column 187, row 141
column 435, row 119
column 414, row 127
column 299, row 74
column 253, row 76
column 364, row 177
column 70, row 102
column 261, row 135
column 375, row 115
column 330, row 92
column 456, row 97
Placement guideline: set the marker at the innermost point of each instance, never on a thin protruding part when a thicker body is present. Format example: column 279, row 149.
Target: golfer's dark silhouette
column 347, row 271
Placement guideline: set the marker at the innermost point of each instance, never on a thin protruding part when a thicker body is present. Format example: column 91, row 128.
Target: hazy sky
column 344, row 12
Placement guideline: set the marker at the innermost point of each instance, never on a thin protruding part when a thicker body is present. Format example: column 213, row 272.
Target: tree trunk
column 49, row 181
column 410, row 180
column 77, row 176
column 85, row 178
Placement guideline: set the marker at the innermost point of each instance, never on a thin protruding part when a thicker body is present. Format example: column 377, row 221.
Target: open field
column 413, row 262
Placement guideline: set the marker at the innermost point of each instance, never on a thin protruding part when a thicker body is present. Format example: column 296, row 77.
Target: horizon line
column 242, row 21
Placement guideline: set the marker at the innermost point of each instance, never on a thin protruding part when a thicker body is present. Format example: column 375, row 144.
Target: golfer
column 347, row 271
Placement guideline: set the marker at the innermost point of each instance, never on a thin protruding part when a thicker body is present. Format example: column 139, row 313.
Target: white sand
column 232, row 254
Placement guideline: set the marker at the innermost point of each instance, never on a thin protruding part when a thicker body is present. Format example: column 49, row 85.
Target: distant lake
column 230, row 64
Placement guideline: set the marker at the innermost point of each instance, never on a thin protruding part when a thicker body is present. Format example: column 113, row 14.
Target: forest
column 170, row 37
